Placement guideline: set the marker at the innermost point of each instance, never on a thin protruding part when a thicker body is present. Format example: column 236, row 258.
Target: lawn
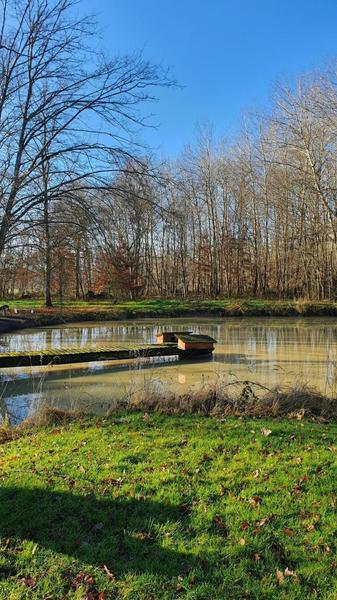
column 77, row 310
column 163, row 507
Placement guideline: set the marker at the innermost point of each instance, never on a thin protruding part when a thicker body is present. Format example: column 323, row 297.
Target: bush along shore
column 142, row 505
column 31, row 313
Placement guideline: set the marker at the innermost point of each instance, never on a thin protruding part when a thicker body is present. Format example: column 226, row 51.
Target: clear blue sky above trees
column 227, row 54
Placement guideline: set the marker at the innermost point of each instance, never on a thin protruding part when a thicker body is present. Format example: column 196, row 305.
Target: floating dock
column 55, row 356
column 181, row 344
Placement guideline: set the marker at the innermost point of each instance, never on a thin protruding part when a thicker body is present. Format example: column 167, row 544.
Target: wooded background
column 85, row 210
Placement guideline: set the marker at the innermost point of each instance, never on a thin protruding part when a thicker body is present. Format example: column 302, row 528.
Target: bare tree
column 61, row 105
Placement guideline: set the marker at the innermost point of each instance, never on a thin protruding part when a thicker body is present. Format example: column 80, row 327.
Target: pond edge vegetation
column 28, row 314
column 238, row 399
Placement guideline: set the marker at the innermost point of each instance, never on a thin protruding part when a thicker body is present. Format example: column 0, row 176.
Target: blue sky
column 227, row 54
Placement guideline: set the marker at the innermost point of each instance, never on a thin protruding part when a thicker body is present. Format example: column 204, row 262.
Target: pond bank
column 8, row 324
column 32, row 313
column 144, row 505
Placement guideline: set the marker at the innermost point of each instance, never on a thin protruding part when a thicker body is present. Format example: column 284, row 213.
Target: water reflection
column 269, row 351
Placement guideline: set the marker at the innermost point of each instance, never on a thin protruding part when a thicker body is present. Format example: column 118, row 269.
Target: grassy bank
column 72, row 311
column 151, row 506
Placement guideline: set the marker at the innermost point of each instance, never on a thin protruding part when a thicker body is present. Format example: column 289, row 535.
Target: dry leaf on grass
column 255, row 501
column 288, row 531
column 279, row 576
column 266, row 432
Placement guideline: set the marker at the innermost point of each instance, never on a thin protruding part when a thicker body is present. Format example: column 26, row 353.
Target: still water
column 272, row 352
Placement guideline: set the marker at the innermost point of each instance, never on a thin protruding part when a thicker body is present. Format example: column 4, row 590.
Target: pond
column 269, row 351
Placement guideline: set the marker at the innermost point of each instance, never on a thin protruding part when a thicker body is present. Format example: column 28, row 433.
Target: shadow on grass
column 121, row 534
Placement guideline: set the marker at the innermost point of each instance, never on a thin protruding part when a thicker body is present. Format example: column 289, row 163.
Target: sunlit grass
column 149, row 506
column 102, row 309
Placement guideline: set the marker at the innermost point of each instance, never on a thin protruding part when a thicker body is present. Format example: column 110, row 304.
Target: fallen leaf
column 82, row 578
column 297, row 490
column 144, row 536
column 108, row 573
column 117, row 482
column 299, row 414
column 93, row 595
column 256, row 473
column 279, row 576
column 183, row 443
column 242, row 542
column 256, row 557
column 219, row 522
column 244, row 525
column 266, row 431
column 288, row 531
column 262, row 522
column 34, row 549
column 255, row 501
column 277, row 551
column 29, row 581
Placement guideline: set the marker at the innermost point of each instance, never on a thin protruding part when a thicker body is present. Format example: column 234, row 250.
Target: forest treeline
column 84, row 216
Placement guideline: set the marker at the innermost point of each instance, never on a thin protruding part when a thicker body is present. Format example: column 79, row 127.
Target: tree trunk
column 48, row 267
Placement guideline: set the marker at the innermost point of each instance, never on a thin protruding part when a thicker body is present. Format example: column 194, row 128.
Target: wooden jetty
column 181, row 344
column 56, row 356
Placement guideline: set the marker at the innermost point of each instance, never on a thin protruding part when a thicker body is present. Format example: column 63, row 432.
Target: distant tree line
column 84, row 214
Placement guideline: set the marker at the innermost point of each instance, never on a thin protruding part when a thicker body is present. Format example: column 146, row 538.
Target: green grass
column 72, row 310
column 160, row 507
